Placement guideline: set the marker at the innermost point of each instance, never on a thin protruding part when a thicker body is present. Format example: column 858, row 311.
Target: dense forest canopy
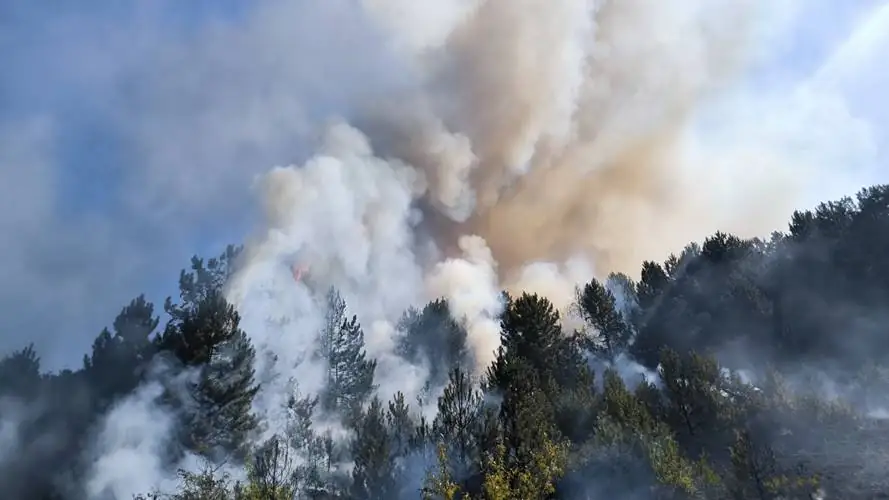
column 737, row 369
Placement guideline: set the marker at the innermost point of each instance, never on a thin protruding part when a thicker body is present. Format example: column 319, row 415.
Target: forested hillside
column 767, row 367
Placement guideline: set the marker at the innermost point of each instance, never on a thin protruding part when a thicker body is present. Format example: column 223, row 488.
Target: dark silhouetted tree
column 433, row 338
column 611, row 333
column 373, row 473
column 458, row 423
column 119, row 360
column 204, row 335
column 20, row 374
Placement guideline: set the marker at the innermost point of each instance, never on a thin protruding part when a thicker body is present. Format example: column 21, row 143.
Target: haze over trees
column 767, row 362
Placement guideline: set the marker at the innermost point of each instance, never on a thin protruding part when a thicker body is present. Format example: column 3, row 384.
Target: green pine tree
column 373, row 475
column 204, row 335
column 612, row 333
column 350, row 373
column 118, row 360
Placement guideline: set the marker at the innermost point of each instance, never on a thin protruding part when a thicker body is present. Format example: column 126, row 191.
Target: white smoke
column 133, row 438
column 133, row 447
column 348, row 217
column 535, row 144
column 539, row 144
column 137, row 439
column 14, row 413
column 470, row 286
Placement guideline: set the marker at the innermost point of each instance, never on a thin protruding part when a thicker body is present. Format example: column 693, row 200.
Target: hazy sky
column 129, row 135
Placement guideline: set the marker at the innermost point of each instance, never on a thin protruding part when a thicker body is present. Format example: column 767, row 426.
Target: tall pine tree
column 373, row 476
column 458, row 423
column 532, row 342
column 204, row 335
column 350, row 373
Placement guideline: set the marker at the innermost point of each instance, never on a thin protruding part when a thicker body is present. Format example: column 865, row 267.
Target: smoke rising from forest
column 539, row 144
column 535, row 145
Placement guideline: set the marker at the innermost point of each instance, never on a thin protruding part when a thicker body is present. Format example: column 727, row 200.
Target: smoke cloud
column 522, row 102
column 533, row 146
column 521, row 145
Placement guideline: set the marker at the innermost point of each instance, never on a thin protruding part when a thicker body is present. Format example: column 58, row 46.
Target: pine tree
column 374, row 468
column 401, row 426
column 225, row 386
column 204, row 279
column 118, row 360
column 634, row 453
column 534, row 345
column 20, row 375
column 201, row 297
column 531, row 331
column 203, row 334
column 433, row 338
column 269, row 473
column 622, row 406
column 404, row 448
column 536, row 478
column 350, row 373
column 753, row 469
column 440, row 485
column 697, row 406
column 527, row 433
column 654, row 284
column 315, row 469
column 458, row 422
column 599, row 310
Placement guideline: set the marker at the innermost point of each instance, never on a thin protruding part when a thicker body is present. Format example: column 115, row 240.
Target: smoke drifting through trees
column 541, row 423
column 542, row 144
column 538, row 143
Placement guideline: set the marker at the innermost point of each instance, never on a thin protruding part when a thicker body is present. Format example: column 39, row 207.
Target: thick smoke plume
column 554, row 130
column 538, row 144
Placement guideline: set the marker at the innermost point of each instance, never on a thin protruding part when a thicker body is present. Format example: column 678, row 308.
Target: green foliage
column 631, row 440
column 536, row 359
column 531, row 331
column 440, row 485
column 206, row 485
column 538, row 426
column 432, row 337
column 118, row 360
column 619, row 404
column 314, row 472
column 203, row 333
column 756, row 473
column 270, row 473
column 697, row 404
column 204, row 279
column 350, row 373
column 458, row 422
column 221, row 420
column 611, row 333
column 209, row 484
column 372, row 476
column 535, row 478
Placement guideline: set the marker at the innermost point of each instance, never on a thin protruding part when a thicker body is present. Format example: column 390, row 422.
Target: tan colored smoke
column 553, row 128
column 544, row 141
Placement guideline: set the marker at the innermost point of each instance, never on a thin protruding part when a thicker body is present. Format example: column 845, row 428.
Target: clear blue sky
column 129, row 135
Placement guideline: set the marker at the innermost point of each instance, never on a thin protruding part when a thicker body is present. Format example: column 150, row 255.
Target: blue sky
column 129, row 134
